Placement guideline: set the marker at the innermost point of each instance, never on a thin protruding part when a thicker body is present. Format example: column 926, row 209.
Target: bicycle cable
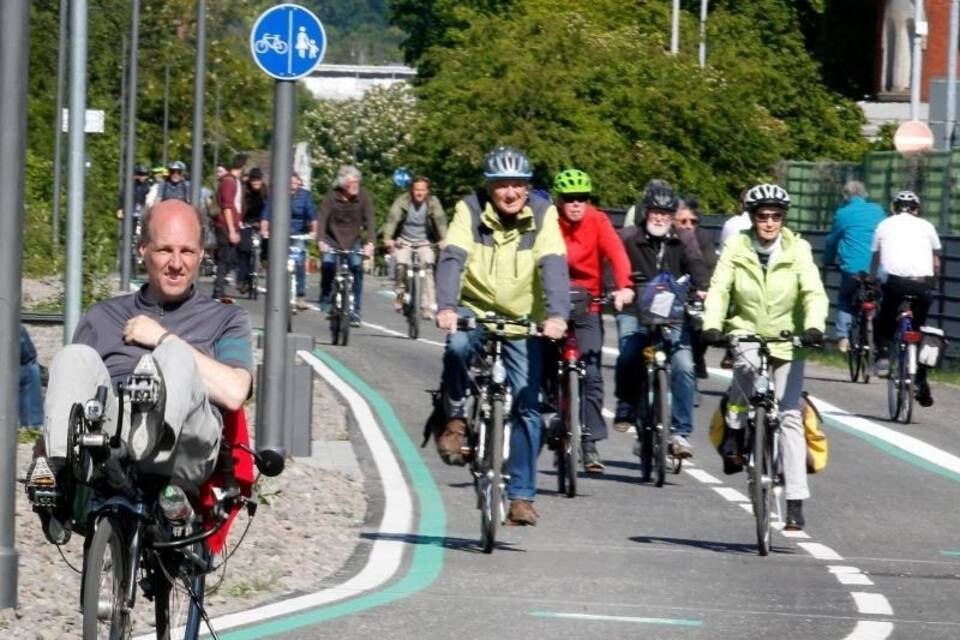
column 64, row 557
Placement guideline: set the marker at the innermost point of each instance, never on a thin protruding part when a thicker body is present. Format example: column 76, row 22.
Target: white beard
column 657, row 230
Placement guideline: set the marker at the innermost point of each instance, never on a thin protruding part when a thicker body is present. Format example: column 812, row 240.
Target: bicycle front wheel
column 178, row 598
column 105, row 614
column 491, row 511
column 761, row 480
column 663, row 425
column 573, row 432
column 413, row 315
column 345, row 312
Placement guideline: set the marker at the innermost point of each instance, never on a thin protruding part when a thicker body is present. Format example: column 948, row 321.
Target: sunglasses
column 686, row 222
column 764, row 217
column 576, row 197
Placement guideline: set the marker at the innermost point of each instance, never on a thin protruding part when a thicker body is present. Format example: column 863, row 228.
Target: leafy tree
column 427, row 23
column 373, row 133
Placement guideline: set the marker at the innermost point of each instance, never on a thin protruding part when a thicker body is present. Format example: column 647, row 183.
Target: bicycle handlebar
column 763, row 341
column 301, row 236
column 470, row 322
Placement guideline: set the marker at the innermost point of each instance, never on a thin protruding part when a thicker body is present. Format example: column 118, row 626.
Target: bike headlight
column 660, row 358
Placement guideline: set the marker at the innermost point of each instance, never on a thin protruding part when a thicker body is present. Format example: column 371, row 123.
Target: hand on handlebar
column 554, row 327
column 323, row 246
column 447, row 321
column 622, row 298
column 714, row 337
column 389, row 243
column 368, row 249
column 813, row 337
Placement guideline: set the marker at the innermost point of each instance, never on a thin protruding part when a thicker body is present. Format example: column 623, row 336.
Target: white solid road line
column 820, row 551
column 872, row 603
column 730, row 494
column 849, row 575
column 871, row 630
column 386, row 554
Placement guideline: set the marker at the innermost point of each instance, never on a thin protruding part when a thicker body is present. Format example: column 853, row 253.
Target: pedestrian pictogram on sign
column 287, row 41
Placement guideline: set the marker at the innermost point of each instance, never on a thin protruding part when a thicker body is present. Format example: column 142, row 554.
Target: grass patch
column 247, row 588
column 837, row 360
column 28, row 435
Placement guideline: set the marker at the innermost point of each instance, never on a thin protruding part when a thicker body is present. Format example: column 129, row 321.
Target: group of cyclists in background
column 513, row 251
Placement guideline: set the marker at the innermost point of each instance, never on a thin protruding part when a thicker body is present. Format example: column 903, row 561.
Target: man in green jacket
column 767, row 279
column 415, row 221
column 505, row 254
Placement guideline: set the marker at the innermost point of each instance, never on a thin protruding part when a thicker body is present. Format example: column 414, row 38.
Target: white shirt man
column 906, row 244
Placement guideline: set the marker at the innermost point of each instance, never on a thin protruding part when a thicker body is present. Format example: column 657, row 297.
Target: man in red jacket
column 590, row 239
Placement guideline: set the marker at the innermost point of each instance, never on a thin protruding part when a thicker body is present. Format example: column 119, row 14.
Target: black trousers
column 226, row 258
column 895, row 289
column 588, row 329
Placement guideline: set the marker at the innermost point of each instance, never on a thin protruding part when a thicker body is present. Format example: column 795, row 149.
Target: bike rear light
column 912, row 337
column 571, row 351
column 869, row 306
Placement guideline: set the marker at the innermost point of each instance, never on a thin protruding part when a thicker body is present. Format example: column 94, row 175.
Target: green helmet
column 572, row 181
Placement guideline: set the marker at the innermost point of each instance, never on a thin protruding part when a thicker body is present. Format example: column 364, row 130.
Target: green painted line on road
column 952, row 554
column 894, row 451
column 427, row 561
column 674, row 622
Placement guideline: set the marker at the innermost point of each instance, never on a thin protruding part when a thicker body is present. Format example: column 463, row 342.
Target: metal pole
column 124, row 48
column 703, row 32
column 216, row 122
column 76, row 168
column 675, row 28
column 128, row 203
column 166, row 111
column 919, row 30
column 14, row 16
column 270, row 430
column 58, row 125
column 949, row 129
column 196, row 169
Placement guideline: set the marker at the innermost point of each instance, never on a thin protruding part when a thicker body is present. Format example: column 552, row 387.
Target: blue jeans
column 300, row 265
column 328, row 269
column 31, row 387
column 523, row 361
column 631, row 370
column 848, row 288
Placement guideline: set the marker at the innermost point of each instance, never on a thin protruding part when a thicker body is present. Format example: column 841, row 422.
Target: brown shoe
column 398, row 302
column 426, row 314
column 522, row 514
column 451, row 442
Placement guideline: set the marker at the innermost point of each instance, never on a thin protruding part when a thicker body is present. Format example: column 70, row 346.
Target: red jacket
column 588, row 243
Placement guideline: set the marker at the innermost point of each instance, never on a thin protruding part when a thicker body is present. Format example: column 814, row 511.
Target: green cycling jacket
column 514, row 267
column 788, row 296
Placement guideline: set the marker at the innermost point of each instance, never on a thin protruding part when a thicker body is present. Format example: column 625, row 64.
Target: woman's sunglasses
column 764, row 217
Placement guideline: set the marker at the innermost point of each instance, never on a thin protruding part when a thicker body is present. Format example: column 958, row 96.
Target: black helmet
column 141, row 170
column 660, row 197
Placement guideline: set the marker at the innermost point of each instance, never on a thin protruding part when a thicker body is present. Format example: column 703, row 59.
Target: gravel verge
column 306, row 528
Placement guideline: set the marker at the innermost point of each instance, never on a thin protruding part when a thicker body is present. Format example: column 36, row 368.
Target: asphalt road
column 628, row 560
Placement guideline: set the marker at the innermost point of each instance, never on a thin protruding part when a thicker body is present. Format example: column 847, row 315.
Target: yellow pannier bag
column 817, row 443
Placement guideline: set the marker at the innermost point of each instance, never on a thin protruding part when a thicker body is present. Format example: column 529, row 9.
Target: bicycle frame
column 902, row 377
column 655, row 433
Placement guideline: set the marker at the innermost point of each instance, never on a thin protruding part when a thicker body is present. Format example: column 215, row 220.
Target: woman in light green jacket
column 766, row 282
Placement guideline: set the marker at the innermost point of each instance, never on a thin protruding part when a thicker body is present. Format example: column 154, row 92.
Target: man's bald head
column 163, row 212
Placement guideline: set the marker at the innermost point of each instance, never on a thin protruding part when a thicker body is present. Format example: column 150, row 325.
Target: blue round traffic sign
column 287, row 41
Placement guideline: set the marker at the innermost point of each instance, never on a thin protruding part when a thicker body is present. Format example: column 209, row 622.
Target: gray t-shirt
column 221, row 331
column 415, row 224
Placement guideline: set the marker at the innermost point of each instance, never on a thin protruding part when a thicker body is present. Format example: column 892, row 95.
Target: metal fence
column 816, row 187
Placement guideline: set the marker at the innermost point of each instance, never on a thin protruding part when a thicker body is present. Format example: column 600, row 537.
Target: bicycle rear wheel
column 573, row 431
column 105, row 613
column 905, row 390
column 866, row 345
column 491, row 510
column 761, row 480
column 855, row 351
column 662, row 425
column 177, row 604
column 896, row 386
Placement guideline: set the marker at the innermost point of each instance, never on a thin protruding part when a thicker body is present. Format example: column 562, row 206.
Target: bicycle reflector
column 570, row 349
column 869, row 306
column 912, row 337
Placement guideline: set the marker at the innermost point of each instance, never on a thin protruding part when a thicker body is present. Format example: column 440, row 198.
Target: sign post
column 287, row 43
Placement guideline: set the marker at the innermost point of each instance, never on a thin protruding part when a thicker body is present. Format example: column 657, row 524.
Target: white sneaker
column 680, row 447
column 843, row 345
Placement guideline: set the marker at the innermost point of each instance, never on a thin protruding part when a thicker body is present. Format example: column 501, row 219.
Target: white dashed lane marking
column 703, row 476
column 871, row 630
column 731, row 495
column 820, row 551
column 849, row 575
column 872, row 603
